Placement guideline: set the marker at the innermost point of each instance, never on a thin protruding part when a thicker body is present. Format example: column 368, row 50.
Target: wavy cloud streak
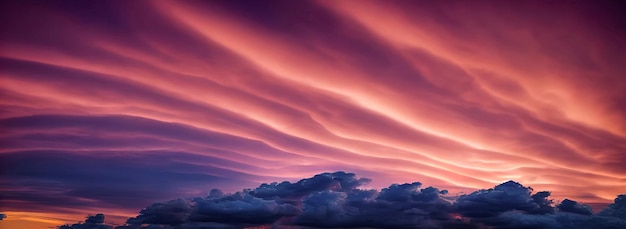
column 162, row 99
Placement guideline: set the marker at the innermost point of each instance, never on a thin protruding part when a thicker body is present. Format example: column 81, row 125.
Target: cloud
column 96, row 219
column 91, row 222
column 512, row 206
column 262, row 205
column 239, row 208
column 337, row 200
column 617, row 208
column 459, row 93
column 67, row 179
column 398, row 206
column 338, row 181
column 559, row 220
column 508, row 196
column 67, row 161
column 242, row 208
column 574, row 207
column 170, row 213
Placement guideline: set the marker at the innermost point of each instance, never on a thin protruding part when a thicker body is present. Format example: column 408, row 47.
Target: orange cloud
column 456, row 95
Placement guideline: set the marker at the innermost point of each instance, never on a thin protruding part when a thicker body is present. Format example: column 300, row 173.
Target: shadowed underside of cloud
column 335, row 200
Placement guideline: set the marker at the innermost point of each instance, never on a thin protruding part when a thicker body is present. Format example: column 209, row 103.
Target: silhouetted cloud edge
column 335, row 200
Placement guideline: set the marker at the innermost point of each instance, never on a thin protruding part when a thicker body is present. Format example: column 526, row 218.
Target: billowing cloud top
column 336, row 200
column 108, row 106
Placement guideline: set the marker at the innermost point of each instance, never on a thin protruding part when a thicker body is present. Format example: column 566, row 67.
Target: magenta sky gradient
column 109, row 106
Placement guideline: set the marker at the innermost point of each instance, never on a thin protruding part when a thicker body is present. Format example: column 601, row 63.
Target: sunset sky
column 109, row 106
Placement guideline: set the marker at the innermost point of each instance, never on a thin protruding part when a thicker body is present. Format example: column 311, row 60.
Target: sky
column 110, row 106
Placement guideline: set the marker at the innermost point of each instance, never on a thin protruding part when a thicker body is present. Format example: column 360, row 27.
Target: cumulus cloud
column 338, row 181
column 509, row 196
column 91, row 222
column 574, row 207
column 336, row 200
column 398, row 206
column 98, row 218
column 559, row 220
column 512, row 206
column 616, row 209
column 235, row 210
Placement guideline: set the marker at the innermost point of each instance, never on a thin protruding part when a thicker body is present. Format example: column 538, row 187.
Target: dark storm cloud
column 518, row 209
column 399, row 206
column 512, row 206
column 509, row 196
column 339, row 181
column 263, row 205
column 170, row 213
column 617, row 208
column 242, row 208
column 559, row 220
column 335, row 200
column 574, row 207
column 239, row 208
column 98, row 218
column 91, row 222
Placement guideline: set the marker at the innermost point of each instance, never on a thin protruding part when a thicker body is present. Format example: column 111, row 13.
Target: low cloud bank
column 334, row 200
